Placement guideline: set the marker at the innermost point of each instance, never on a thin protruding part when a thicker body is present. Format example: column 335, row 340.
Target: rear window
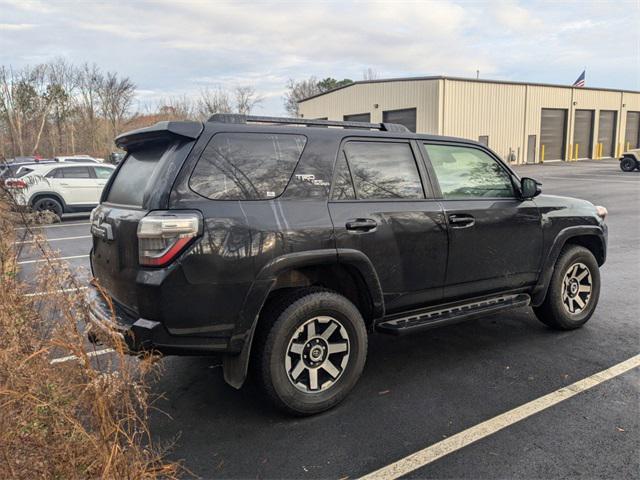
column 246, row 166
column 131, row 182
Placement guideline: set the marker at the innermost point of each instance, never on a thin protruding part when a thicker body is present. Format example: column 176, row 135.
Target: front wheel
column 311, row 351
column 573, row 291
column 628, row 164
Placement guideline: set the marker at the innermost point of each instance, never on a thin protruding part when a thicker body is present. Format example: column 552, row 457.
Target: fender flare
column 236, row 366
column 47, row 193
column 540, row 290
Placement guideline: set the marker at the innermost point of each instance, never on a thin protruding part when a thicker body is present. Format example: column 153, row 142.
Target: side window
column 55, row 173
column 383, row 170
column 342, row 184
column 75, row 172
column 103, row 172
column 465, row 172
column 246, row 166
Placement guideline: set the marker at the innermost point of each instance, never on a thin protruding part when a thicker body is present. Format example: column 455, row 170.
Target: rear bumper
column 142, row 335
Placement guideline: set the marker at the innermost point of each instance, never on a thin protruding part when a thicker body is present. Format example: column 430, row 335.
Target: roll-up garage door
column 553, row 133
column 358, row 117
column 607, row 132
column 406, row 117
column 583, row 134
column 632, row 132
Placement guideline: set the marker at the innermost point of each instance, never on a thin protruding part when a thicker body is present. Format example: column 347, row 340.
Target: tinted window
column 246, row 166
column 71, row 172
column 383, row 170
column 465, row 172
column 103, row 172
column 406, row 117
column 131, row 182
column 342, row 184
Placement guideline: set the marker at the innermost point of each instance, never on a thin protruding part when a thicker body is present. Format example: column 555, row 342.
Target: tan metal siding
column 508, row 113
column 496, row 110
column 422, row 95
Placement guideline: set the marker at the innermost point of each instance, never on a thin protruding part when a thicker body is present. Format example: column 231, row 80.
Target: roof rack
column 243, row 119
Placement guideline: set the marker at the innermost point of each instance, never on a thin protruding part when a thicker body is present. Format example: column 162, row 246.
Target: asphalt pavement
column 420, row 389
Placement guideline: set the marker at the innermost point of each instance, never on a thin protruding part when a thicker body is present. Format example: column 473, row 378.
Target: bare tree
column 177, row 108
column 246, row 99
column 213, row 101
column 115, row 98
column 299, row 90
column 370, row 74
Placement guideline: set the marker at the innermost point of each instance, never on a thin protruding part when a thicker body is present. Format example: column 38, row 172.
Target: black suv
column 282, row 242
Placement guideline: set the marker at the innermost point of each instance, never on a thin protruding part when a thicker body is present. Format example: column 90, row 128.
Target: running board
column 454, row 313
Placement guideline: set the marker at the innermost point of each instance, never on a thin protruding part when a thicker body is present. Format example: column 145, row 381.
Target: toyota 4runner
column 281, row 247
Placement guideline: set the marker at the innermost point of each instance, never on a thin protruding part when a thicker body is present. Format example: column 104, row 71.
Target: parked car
column 630, row 160
column 60, row 187
column 78, row 159
column 16, row 169
column 282, row 247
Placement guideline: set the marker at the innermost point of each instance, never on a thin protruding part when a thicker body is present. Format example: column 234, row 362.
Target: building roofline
column 462, row 79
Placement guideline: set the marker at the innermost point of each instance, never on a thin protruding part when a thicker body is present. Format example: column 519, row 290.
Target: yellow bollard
column 542, row 154
column 577, row 147
column 628, row 146
column 618, row 151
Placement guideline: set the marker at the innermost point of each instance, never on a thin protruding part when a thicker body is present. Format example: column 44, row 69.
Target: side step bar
column 454, row 313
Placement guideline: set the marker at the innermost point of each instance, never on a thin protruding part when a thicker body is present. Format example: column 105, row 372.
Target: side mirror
column 529, row 187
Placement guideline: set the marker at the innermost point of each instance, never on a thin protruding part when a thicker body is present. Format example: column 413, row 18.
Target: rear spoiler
column 160, row 131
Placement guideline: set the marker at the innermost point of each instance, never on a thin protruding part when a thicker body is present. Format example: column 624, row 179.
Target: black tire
column 555, row 311
column 285, row 323
column 628, row 164
column 51, row 204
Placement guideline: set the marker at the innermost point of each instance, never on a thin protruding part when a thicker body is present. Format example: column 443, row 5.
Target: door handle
column 361, row 225
column 461, row 221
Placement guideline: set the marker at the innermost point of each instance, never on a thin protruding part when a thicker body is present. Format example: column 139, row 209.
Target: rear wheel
column 311, row 350
column 628, row 164
column 573, row 291
column 50, row 204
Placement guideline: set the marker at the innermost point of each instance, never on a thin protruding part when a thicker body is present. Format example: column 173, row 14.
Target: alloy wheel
column 317, row 354
column 576, row 288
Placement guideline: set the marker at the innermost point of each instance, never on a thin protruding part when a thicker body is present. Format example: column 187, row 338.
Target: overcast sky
column 175, row 47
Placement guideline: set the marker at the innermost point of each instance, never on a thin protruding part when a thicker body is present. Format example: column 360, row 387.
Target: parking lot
column 419, row 390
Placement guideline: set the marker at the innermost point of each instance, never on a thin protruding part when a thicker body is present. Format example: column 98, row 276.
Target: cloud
column 13, row 27
column 170, row 47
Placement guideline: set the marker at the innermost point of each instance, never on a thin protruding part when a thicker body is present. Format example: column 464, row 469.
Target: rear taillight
column 163, row 236
column 14, row 183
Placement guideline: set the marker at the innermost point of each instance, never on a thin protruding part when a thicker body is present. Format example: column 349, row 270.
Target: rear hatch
column 141, row 184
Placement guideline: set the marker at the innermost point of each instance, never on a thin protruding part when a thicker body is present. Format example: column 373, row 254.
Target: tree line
column 59, row 108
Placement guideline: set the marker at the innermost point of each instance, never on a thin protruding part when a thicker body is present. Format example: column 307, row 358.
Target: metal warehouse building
column 522, row 122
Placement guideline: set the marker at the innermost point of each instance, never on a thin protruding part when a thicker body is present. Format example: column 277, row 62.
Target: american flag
column 580, row 81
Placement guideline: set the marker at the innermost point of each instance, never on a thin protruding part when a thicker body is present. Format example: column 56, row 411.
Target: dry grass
column 85, row 418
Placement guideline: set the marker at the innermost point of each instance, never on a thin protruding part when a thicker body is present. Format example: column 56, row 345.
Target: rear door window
column 383, row 170
column 246, row 166
column 76, row 172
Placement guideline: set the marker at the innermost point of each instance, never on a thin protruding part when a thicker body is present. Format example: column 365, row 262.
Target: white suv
column 78, row 159
column 61, row 187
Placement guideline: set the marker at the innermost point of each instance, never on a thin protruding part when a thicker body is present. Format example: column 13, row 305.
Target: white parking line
column 53, row 239
column 24, row 262
column 73, row 357
column 52, row 292
column 55, row 225
column 459, row 440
